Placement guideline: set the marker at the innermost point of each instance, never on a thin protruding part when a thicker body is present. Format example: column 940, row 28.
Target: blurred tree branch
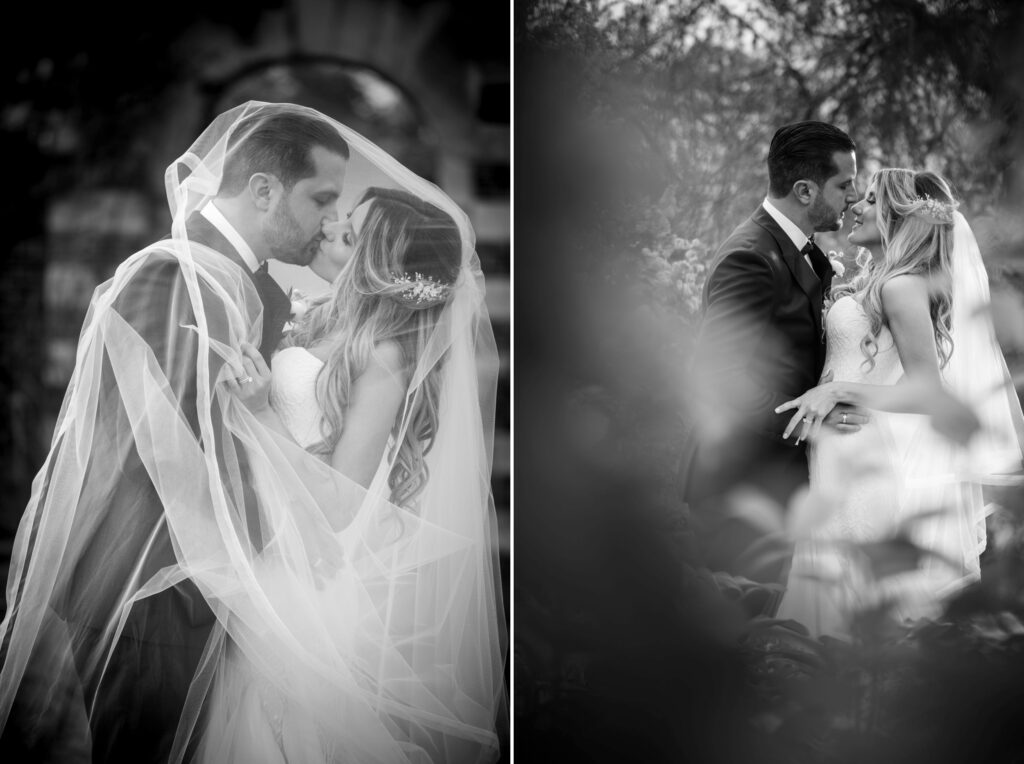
column 916, row 82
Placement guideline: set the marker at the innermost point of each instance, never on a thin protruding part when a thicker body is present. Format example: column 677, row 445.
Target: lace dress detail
column 869, row 505
column 853, row 476
column 293, row 393
column 249, row 720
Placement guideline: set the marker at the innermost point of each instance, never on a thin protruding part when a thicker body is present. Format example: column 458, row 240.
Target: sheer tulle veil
column 940, row 475
column 361, row 614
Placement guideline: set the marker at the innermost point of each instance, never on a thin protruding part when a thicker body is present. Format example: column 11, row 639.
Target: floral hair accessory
column 941, row 211
column 420, row 291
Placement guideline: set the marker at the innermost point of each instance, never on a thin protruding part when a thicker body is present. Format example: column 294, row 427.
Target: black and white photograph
column 257, row 382
column 577, row 381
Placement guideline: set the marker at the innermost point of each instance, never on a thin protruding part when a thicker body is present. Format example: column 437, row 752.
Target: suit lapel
column 803, row 274
column 277, row 309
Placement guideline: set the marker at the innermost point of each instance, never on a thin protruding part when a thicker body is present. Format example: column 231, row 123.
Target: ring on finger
column 245, row 380
column 805, row 420
column 844, row 417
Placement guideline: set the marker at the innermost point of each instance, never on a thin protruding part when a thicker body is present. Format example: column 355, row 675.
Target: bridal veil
column 947, row 480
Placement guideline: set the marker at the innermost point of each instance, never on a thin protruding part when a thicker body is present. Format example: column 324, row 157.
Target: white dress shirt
column 791, row 229
column 217, row 219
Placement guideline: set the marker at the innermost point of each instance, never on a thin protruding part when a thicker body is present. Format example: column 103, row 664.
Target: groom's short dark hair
column 803, row 151
column 280, row 144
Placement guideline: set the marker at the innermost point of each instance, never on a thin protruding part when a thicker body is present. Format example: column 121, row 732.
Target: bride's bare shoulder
column 389, row 355
column 906, row 292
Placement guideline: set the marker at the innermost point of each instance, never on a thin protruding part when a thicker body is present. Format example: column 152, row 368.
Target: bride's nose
column 858, row 208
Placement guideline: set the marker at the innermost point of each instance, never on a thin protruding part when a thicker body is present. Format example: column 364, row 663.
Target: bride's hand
column 811, row 409
column 253, row 388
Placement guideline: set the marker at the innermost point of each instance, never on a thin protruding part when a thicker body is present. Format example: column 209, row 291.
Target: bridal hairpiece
column 420, row 291
column 941, row 211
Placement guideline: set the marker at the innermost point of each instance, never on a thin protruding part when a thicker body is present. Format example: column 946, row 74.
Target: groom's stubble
column 285, row 238
column 823, row 217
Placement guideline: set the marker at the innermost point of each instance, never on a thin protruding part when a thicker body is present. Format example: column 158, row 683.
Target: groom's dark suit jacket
column 165, row 633
column 760, row 344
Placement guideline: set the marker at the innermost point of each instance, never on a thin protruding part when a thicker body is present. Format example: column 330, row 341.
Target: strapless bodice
column 293, row 393
column 845, row 326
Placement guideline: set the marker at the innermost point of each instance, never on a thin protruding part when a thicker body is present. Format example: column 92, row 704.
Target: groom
column 761, row 343
column 281, row 183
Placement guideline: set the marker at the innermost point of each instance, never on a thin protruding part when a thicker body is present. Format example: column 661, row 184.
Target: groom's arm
column 738, row 339
column 157, row 305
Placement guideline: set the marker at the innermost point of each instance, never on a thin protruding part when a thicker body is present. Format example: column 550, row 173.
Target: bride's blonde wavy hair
column 915, row 220
column 402, row 235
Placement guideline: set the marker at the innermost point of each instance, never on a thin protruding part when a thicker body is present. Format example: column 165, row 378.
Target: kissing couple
column 872, row 409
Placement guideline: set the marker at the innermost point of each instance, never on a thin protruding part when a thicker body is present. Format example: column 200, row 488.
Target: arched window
column 352, row 92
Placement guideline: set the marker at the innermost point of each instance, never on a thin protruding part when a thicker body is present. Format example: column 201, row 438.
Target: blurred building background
column 100, row 98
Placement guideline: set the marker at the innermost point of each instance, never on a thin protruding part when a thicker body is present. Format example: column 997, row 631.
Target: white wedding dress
column 898, row 479
column 250, row 718
column 855, row 483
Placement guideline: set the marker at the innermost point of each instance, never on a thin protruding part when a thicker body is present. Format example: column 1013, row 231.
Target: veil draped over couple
column 888, row 394
column 255, row 544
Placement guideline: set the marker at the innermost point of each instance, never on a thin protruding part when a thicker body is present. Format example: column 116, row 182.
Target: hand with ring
column 846, row 418
column 252, row 386
column 812, row 408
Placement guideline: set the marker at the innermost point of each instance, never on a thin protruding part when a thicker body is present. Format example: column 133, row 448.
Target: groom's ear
column 804, row 191
column 262, row 187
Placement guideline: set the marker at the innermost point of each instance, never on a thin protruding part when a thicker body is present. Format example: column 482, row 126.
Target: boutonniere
column 836, row 259
column 839, row 270
column 300, row 304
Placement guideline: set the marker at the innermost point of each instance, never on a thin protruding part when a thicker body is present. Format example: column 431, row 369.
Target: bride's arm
column 905, row 300
column 377, row 394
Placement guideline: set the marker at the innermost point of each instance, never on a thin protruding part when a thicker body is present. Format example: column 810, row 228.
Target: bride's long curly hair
column 401, row 235
column 917, row 238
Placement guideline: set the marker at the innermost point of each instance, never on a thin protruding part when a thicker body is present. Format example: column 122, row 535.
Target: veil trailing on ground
column 942, row 475
column 380, row 625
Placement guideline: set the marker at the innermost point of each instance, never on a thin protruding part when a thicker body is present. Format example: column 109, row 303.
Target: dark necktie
column 822, row 267
column 276, row 308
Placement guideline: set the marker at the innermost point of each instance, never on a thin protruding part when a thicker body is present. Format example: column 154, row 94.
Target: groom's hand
column 846, row 418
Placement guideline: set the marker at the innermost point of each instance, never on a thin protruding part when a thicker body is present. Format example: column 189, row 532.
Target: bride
column 909, row 338
column 340, row 389
column 334, row 513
